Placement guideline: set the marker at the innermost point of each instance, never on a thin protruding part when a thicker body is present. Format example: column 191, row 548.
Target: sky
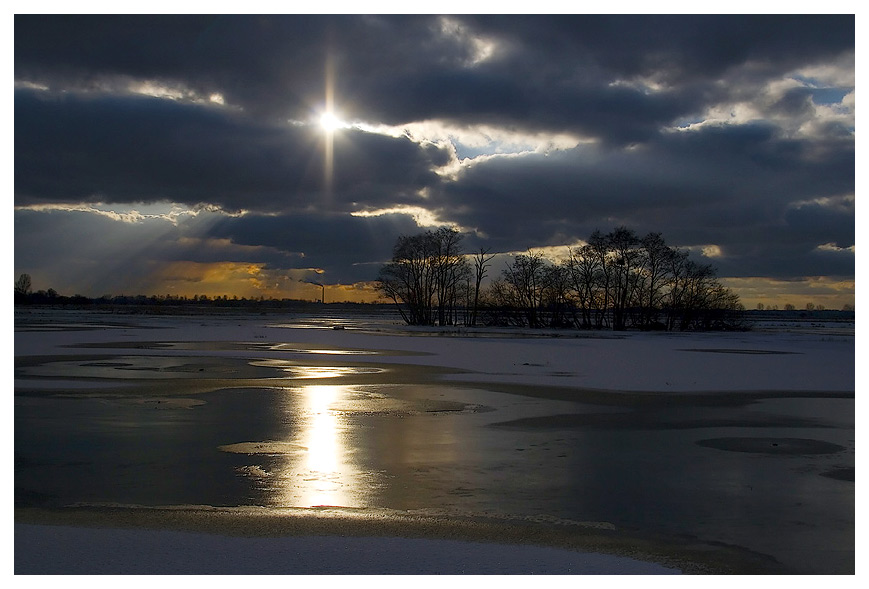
column 255, row 155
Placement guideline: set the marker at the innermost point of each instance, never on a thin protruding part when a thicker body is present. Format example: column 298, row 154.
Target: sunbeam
column 329, row 123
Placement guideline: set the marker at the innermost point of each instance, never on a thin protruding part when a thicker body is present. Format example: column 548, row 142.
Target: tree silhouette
column 616, row 280
column 23, row 284
column 623, row 244
column 424, row 276
column 526, row 277
column 481, row 266
column 23, row 288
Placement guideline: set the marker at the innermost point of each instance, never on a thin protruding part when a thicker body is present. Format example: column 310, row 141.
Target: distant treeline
column 616, row 281
column 25, row 296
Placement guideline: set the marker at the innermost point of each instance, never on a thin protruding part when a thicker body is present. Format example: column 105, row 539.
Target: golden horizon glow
column 833, row 293
column 252, row 280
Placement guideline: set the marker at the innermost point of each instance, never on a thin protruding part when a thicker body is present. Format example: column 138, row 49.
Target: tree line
column 615, row 281
column 25, row 295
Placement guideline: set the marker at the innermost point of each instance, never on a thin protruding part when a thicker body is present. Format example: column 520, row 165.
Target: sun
column 329, row 122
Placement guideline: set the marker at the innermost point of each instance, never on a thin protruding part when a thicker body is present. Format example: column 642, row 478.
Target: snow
column 630, row 361
column 71, row 550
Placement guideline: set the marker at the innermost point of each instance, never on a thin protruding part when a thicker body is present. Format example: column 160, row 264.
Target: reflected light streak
column 320, row 372
column 322, row 429
column 319, row 473
column 310, row 372
column 327, row 473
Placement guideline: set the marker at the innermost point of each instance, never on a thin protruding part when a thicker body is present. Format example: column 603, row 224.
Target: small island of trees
column 615, row 281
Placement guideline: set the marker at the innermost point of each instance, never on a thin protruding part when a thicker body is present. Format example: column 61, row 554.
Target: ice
column 70, row 550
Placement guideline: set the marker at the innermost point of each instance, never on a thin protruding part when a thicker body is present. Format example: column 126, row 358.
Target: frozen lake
column 740, row 439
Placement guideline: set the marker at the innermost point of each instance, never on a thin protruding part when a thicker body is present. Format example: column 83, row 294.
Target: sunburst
column 330, row 123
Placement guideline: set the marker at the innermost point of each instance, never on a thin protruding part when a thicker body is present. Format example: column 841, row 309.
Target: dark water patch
column 108, row 364
column 652, row 421
column 791, row 446
column 83, row 326
column 137, row 367
column 840, row 474
column 734, row 351
column 243, row 346
column 150, row 367
column 31, row 498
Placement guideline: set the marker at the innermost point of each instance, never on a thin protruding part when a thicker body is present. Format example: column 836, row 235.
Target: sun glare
column 329, row 122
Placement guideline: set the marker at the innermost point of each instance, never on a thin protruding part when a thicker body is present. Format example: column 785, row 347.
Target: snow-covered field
column 780, row 359
column 768, row 365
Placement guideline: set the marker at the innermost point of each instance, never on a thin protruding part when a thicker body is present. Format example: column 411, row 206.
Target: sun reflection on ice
column 322, row 431
column 322, row 474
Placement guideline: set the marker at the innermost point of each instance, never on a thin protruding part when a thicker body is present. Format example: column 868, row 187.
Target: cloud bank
column 175, row 145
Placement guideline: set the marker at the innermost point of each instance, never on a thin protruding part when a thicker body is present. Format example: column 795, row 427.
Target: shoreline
column 688, row 557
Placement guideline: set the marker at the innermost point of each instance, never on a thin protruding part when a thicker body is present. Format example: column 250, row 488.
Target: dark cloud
column 677, row 48
column 271, row 64
column 86, row 133
column 731, row 187
column 795, row 103
column 83, row 47
column 550, row 71
column 747, row 164
column 74, row 149
column 96, row 254
column 80, row 252
column 347, row 248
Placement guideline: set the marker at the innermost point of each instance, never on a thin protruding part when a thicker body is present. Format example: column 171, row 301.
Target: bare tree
column 678, row 267
column 408, row 278
column 23, row 284
column 481, row 265
column 655, row 273
column 424, row 276
column 557, row 294
column 623, row 243
column 616, row 280
column 23, row 288
column 449, row 265
column 584, row 272
column 698, row 281
column 526, row 278
column 599, row 248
